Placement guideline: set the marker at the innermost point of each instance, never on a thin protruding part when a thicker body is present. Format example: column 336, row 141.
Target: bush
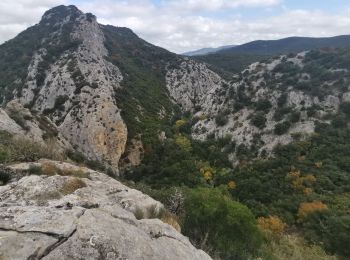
column 59, row 102
column 345, row 107
column 339, row 121
column 263, row 105
column 214, row 221
column 292, row 247
column 221, row 119
column 72, row 185
column 294, row 117
column 332, row 229
column 4, row 176
column 282, row 128
column 259, row 120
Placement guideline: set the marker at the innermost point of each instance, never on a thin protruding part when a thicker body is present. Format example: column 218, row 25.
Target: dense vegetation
column 143, row 98
column 288, row 45
column 235, row 59
column 304, row 190
column 228, row 64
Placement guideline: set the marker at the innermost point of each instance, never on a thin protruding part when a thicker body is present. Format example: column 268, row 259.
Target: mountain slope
column 102, row 86
column 289, row 45
column 205, row 51
column 235, row 59
column 270, row 101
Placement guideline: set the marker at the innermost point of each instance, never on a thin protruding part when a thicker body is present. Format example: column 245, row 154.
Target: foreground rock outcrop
column 70, row 212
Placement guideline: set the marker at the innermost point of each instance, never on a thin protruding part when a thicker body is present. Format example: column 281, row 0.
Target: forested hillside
column 250, row 159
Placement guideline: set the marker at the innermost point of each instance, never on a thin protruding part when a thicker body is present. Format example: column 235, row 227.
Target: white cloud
column 179, row 32
column 15, row 16
column 178, row 29
column 210, row 5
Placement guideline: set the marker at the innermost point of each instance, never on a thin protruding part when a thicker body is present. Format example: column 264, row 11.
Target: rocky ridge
column 281, row 92
column 83, row 214
column 77, row 89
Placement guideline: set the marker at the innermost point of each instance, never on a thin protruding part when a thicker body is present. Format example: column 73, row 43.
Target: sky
column 184, row 25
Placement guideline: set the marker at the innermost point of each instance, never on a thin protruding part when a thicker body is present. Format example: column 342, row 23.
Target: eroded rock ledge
column 82, row 214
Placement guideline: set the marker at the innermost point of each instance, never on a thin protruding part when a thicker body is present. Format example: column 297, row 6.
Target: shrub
column 171, row 220
column 331, row 229
column 59, row 102
column 35, row 170
column 213, row 220
column 183, row 142
column 294, row 117
column 308, row 208
column 263, row 105
column 259, row 120
column 345, row 107
column 221, row 119
column 4, row 176
column 282, row 128
column 339, row 121
column 72, row 185
column 272, row 223
column 50, row 169
column 4, row 154
column 18, row 118
column 295, row 247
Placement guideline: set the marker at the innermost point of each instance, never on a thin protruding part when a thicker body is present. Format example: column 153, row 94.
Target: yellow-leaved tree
column 307, row 208
column 272, row 223
column 183, row 142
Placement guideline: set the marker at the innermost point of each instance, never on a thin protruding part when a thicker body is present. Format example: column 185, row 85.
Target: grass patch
column 51, row 169
column 72, row 185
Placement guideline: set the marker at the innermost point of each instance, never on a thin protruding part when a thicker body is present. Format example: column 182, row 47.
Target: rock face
column 194, row 87
column 286, row 93
column 87, row 217
column 77, row 88
column 21, row 122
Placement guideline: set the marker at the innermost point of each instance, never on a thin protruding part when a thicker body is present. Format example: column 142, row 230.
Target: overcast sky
column 183, row 25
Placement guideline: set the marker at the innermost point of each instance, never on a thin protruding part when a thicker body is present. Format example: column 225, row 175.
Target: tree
column 271, row 223
column 263, row 105
column 259, row 120
column 308, row 208
column 282, row 128
column 214, row 220
column 183, row 142
column 221, row 119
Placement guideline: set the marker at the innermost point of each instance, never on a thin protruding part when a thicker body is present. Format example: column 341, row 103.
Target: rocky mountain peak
column 60, row 13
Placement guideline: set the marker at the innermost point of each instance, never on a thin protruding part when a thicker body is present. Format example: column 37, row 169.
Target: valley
column 244, row 151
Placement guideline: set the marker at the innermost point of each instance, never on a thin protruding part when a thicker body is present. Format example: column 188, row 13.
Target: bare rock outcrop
column 77, row 88
column 82, row 214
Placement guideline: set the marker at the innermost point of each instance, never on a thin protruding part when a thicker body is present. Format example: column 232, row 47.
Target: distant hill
column 287, row 45
column 235, row 59
column 205, row 51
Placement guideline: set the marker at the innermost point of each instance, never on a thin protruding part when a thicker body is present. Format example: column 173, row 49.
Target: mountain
column 235, row 59
column 82, row 76
column 265, row 147
column 205, row 51
column 289, row 45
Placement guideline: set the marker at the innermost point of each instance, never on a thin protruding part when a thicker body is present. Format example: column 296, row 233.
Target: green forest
column 296, row 201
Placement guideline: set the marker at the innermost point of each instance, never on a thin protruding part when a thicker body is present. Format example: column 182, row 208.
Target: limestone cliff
column 76, row 86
